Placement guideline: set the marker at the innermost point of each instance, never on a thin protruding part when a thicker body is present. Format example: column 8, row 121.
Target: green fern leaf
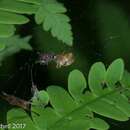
column 31, row 1
column 11, row 12
column 76, row 84
column 103, row 101
column 126, row 79
column 2, row 46
column 110, row 107
column 96, row 78
column 19, row 116
column 17, row 7
column 51, row 14
column 6, row 30
column 65, row 107
column 10, row 18
column 68, row 112
column 115, row 72
column 13, row 45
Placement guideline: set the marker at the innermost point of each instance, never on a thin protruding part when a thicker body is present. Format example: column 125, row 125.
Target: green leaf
column 107, row 109
column 126, row 79
column 11, row 18
column 13, row 45
column 61, row 100
column 76, row 84
column 115, row 72
column 11, row 12
column 67, row 113
column 80, row 124
column 47, row 117
column 18, row 116
column 31, row 1
column 121, row 101
column 96, row 78
column 125, row 82
column 51, row 14
column 6, row 30
column 18, row 7
column 2, row 46
column 99, row 124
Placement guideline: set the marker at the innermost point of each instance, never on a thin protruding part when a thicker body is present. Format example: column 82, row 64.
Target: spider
column 61, row 60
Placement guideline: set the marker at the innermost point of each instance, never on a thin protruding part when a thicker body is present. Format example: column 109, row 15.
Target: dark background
column 101, row 33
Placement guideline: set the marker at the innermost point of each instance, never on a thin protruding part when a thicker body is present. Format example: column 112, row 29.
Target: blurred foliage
column 11, row 45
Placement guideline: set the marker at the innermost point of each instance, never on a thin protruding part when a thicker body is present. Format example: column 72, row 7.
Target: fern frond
column 49, row 12
column 108, row 102
column 74, row 109
column 52, row 15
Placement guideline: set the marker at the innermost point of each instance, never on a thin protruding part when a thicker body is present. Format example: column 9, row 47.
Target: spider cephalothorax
column 62, row 59
column 45, row 58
